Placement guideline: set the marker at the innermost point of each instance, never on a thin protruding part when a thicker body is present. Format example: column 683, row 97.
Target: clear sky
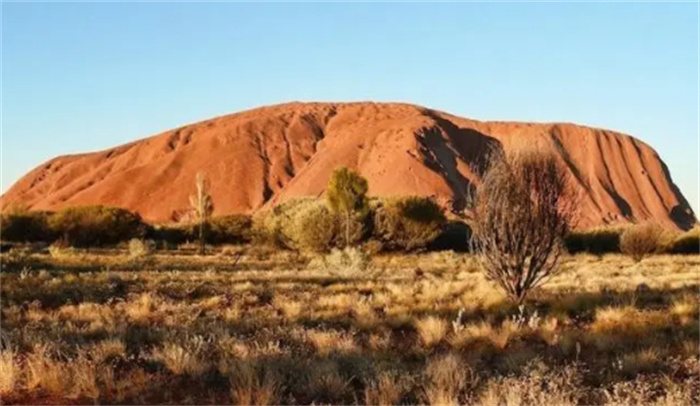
column 85, row 76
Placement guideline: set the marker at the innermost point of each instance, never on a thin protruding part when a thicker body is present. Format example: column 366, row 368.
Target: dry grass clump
column 646, row 360
column 327, row 342
column 348, row 261
column 182, row 359
column 73, row 379
column 252, row 384
column 385, row 390
column 641, row 240
column 325, row 382
column 538, row 384
column 446, row 377
column 498, row 336
column 657, row 391
column 290, row 309
column 611, row 317
column 9, row 371
column 61, row 251
column 685, row 308
column 431, row 330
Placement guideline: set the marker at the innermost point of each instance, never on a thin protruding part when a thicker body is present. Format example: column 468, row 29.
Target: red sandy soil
column 260, row 157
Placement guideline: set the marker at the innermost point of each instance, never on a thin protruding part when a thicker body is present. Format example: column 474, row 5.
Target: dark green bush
column 85, row 226
column 314, row 228
column 275, row 227
column 455, row 236
column 231, row 229
column 265, row 230
column 172, row 234
column 25, row 226
column 408, row 223
column 305, row 224
column 686, row 243
column 596, row 241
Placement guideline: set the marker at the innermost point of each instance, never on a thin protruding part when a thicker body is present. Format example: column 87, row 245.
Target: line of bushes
column 393, row 224
column 97, row 226
column 635, row 240
column 80, row 226
column 396, row 224
column 229, row 229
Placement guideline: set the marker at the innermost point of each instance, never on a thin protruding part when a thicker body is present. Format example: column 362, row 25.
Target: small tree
column 522, row 211
column 202, row 206
column 347, row 196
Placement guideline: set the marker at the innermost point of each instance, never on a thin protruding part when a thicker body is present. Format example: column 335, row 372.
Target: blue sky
column 87, row 76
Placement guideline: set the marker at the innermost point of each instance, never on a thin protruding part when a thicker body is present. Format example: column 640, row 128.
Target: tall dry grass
column 605, row 331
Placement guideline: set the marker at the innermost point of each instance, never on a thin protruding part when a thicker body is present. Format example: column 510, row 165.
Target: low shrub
column 304, row 224
column 315, row 228
column 641, row 240
column 25, row 226
column 140, row 248
column 598, row 240
column 455, row 236
column 408, row 223
column 265, row 229
column 231, row 229
column 685, row 243
column 276, row 226
column 83, row 226
column 343, row 262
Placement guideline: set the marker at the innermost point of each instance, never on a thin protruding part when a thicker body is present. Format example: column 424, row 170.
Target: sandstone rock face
column 264, row 156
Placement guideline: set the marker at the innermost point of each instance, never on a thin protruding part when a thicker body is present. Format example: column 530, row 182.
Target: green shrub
column 685, row 243
column 314, row 228
column 599, row 240
column 641, row 240
column 455, row 236
column 277, row 226
column 265, row 229
column 173, row 235
column 86, row 226
column 25, row 226
column 305, row 224
column 408, row 223
column 231, row 229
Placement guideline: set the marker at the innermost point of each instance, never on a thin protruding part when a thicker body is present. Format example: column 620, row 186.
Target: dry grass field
column 272, row 327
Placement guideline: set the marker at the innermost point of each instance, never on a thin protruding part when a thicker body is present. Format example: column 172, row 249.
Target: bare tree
column 523, row 208
column 202, row 206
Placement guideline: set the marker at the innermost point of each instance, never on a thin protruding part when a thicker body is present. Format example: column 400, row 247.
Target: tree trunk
column 347, row 229
column 201, row 238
